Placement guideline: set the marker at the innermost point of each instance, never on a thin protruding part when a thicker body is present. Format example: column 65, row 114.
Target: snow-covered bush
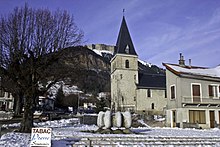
column 127, row 119
column 117, row 121
column 107, row 120
column 100, row 119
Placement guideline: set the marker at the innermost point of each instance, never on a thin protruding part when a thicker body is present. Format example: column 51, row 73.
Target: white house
column 193, row 95
column 6, row 100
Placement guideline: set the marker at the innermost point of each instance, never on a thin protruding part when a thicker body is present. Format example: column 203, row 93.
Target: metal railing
column 113, row 141
column 203, row 100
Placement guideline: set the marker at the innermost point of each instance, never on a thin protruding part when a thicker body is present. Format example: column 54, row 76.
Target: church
column 133, row 88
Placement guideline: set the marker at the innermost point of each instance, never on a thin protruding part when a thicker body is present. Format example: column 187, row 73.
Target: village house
column 6, row 99
column 131, row 88
column 193, row 95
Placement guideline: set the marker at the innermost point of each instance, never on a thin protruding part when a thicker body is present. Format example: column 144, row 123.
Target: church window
column 152, row 106
column 148, row 93
column 127, row 49
column 127, row 64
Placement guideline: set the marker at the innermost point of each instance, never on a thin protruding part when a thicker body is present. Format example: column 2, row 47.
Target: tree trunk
column 18, row 104
column 27, row 121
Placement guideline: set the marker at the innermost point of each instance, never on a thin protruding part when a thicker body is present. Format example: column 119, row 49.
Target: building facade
column 193, row 95
column 129, row 86
column 6, row 100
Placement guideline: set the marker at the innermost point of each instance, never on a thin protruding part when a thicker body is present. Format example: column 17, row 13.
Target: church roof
column 124, row 43
column 153, row 81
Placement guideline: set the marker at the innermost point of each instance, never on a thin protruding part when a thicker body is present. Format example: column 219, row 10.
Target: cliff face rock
column 84, row 68
column 86, row 58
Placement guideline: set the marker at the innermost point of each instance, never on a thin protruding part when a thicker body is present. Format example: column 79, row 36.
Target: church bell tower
column 124, row 72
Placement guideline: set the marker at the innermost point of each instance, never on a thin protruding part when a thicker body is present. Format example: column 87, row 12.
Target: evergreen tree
column 101, row 105
column 59, row 98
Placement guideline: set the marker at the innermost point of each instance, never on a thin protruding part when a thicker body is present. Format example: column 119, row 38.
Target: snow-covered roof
column 145, row 63
column 192, row 70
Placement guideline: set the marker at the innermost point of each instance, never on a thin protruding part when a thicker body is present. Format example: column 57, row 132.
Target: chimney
column 190, row 62
column 181, row 60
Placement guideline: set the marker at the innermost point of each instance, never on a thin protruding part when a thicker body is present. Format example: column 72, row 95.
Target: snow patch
column 67, row 89
column 145, row 63
column 100, row 52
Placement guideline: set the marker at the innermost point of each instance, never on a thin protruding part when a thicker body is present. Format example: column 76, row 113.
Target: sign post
column 41, row 137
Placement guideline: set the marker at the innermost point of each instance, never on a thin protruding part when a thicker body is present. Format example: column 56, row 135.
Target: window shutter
column 172, row 92
column 196, row 90
column 210, row 91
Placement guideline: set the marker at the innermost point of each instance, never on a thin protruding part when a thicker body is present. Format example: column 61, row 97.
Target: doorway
column 212, row 119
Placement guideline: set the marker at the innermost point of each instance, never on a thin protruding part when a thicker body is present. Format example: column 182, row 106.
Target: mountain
column 89, row 70
column 84, row 68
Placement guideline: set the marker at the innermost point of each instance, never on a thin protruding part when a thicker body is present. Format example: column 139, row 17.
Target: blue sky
column 160, row 29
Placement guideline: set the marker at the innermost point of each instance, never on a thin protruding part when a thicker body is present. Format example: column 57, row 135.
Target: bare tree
column 30, row 41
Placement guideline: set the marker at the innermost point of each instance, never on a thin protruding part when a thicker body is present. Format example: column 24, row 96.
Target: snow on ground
column 72, row 128
column 5, row 115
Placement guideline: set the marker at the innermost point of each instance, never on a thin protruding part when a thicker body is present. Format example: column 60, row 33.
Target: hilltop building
column 132, row 88
column 101, row 47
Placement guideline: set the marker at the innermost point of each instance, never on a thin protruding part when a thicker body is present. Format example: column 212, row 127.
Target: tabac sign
column 41, row 137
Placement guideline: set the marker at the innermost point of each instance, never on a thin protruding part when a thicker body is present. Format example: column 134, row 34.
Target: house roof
column 153, row 81
column 193, row 70
column 124, row 43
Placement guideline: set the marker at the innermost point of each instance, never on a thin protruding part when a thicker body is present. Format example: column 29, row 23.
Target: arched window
column 152, row 106
column 126, row 64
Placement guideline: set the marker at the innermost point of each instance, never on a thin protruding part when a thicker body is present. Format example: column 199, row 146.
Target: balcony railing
column 203, row 100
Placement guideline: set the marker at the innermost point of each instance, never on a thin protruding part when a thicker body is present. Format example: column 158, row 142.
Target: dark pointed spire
column 124, row 43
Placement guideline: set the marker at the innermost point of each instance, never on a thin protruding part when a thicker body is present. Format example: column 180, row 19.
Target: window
column 196, row 93
column 197, row 116
column 172, row 92
column 152, row 106
column 126, row 64
column 213, row 91
column 148, row 93
column 165, row 95
column 121, row 76
column 2, row 92
column 127, row 49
